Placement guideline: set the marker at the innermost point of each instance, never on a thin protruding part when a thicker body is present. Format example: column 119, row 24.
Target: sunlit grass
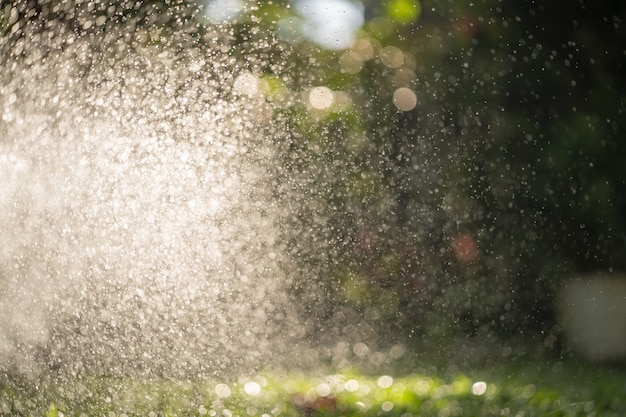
column 560, row 390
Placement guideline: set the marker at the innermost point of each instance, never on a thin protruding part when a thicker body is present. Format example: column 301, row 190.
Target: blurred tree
column 469, row 206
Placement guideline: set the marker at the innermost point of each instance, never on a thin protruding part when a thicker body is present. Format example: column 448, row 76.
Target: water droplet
column 246, row 84
column 479, row 388
column 386, row 406
column 385, row 381
column 222, row 390
column 323, row 390
column 351, row 385
column 360, row 349
column 321, row 97
column 397, row 351
column 252, row 388
column 391, row 56
column 404, row 99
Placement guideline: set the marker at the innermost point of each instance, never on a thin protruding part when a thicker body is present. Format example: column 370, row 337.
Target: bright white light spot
column 252, row 388
column 246, row 84
column 222, row 390
column 351, row 385
column 322, row 390
column 385, row 381
column 422, row 386
column 479, row 388
column 224, row 10
column 202, row 410
column 404, row 99
column 331, row 23
column 387, row 406
column 321, row 97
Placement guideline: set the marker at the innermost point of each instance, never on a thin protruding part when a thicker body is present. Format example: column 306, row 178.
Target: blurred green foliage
column 563, row 390
column 468, row 211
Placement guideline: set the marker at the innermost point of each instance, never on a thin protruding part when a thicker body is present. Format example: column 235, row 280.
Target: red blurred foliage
column 466, row 26
column 465, row 248
column 312, row 406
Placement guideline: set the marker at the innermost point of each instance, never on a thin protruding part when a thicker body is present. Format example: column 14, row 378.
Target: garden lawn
column 560, row 389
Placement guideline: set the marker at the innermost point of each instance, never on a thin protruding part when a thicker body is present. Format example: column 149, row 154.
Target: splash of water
column 139, row 231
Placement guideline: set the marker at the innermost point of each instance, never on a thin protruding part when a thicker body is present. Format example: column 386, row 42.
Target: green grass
column 529, row 390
